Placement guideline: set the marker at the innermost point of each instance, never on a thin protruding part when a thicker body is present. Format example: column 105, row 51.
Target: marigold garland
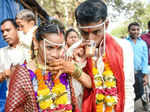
column 54, row 98
column 106, row 91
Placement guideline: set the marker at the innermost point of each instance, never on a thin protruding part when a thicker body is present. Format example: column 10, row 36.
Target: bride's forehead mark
column 89, row 30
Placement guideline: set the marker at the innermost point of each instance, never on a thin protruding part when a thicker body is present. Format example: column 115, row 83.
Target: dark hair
column 132, row 24
column 11, row 20
column 148, row 24
column 94, row 0
column 91, row 11
column 54, row 26
column 70, row 30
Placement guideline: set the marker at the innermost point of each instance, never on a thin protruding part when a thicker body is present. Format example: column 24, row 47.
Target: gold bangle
column 77, row 72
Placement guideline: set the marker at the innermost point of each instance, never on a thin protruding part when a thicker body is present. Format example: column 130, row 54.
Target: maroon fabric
column 114, row 55
column 146, row 38
column 21, row 96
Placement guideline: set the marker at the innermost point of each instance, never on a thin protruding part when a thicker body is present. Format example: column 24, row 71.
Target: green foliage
column 121, row 31
column 139, row 12
column 132, row 11
column 62, row 9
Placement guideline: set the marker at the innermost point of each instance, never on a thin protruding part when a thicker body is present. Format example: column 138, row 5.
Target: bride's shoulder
column 31, row 65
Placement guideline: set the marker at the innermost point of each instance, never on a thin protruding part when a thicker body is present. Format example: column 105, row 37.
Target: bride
column 45, row 83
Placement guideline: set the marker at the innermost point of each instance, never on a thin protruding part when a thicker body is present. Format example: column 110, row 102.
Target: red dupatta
column 114, row 55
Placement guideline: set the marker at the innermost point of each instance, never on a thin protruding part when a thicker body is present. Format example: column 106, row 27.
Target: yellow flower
column 58, row 89
column 98, row 83
column 107, row 73
column 110, row 100
column 95, row 71
column 43, row 92
column 110, row 84
column 113, row 84
column 99, row 97
column 62, row 99
column 45, row 104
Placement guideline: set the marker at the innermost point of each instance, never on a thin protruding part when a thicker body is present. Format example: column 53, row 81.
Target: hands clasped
column 59, row 66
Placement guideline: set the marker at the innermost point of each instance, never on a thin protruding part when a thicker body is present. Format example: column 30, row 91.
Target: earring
column 36, row 52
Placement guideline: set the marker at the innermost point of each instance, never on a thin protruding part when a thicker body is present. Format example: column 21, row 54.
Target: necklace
column 40, row 66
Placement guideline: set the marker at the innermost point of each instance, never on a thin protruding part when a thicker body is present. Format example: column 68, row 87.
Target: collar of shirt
column 129, row 38
column 19, row 45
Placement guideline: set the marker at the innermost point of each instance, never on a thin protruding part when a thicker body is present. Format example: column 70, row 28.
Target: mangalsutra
column 40, row 66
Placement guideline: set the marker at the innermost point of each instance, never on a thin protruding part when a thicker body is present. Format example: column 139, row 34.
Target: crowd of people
column 50, row 69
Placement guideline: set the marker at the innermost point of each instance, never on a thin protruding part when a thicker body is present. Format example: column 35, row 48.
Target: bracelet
column 77, row 72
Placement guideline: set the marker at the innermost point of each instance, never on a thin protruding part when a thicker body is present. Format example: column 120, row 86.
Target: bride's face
column 53, row 46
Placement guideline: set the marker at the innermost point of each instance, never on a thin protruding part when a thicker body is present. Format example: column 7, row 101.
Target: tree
column 62, row 9
column 121, row 31
column 140, row 15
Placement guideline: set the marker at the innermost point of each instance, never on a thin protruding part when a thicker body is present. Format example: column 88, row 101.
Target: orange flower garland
column 106, row 92
column 41, row 83
column 43, row 91
column 55, row 98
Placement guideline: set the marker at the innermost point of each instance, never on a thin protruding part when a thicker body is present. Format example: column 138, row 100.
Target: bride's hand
column 61, row 66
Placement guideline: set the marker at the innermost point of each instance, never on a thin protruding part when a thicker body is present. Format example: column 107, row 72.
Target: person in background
column 71, row 37
column 10, row 55
column 146, row 38
column 25, row 20
column 110, row 68
column 140, row 59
